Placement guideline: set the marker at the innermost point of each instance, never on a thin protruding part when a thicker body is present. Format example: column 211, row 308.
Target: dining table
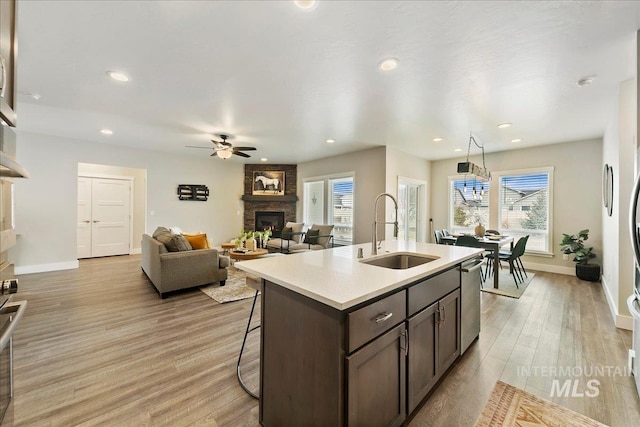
column 492, row 243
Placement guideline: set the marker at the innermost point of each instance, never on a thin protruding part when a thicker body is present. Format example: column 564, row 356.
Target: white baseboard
column 570, row 271
column 135, row 251
column 42, row 268
column 622, row 322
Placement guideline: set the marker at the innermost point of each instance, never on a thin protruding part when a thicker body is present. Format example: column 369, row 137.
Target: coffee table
column 226, row 247
column 247, row 255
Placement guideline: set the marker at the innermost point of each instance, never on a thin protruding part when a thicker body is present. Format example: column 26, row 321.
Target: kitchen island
column 344, row 342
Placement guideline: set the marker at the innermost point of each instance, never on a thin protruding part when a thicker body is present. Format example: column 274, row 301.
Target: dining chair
column 438, row 236
column 516, row 268
column 445, row 232
column 472, row 242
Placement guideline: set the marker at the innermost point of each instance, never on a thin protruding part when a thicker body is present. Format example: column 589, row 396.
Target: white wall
column 619, row 151
column 400, row 164
column 369, row 181
column 45, row 204
column 577, row 200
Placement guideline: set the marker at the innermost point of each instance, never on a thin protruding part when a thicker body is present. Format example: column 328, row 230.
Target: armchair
column 317, row 237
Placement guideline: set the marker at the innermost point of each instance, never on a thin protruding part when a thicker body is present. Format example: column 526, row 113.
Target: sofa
column 186, row 268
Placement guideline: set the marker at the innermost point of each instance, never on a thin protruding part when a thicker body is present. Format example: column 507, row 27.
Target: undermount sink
column 400, row 260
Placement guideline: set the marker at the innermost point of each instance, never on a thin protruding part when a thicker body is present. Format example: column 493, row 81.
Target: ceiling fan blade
column 214, row 154
column 241, row 154
column 245, row 148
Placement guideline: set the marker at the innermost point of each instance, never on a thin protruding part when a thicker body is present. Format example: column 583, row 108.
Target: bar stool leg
column 244, row 341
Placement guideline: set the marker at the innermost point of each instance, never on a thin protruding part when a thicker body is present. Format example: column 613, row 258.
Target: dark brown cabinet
column 376, row 381
column 369, row 366
column 8, row 66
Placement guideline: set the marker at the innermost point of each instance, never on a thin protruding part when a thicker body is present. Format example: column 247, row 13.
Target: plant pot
column 588, row 272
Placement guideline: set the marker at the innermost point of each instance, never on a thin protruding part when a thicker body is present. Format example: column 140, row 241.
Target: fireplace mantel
column 261, row 198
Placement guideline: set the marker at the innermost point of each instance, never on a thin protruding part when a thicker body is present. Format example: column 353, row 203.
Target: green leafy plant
column 574, row 244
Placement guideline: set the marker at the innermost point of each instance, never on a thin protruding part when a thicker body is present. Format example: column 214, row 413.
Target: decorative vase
column 480, row 230
column 588, row 272
column 250, row 244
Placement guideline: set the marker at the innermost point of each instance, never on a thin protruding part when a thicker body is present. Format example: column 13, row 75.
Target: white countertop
column 336, row 278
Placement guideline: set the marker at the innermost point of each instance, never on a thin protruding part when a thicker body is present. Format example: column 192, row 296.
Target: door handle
column 444, row 315
column 3, row 76
column 86, row 220
column 95, row 220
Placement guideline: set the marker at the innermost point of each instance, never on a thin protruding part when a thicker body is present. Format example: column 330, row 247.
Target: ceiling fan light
column 224, row 154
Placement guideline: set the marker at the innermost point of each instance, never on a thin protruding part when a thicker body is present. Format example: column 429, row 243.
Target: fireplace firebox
column 268, row 220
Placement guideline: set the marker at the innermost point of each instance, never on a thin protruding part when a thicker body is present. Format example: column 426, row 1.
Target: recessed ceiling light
column 118, row 76
column 504, row 125
column 437, row 139
column 388, row 64
column 516, row 140
column 330, row 141
column 106, row 131
column 305, row 4
column 458, row 149
column 585, row 81
column 264, row 159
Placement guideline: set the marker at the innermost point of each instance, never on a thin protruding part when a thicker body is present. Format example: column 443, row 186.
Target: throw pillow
column 173, row 242
column 197, row 241
column 286, row 233
column 311, row 237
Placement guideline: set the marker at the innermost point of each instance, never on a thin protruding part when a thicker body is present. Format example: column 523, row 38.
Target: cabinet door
column 422, row 367
column 448, row 330
column 7, row 61
column 376, row 381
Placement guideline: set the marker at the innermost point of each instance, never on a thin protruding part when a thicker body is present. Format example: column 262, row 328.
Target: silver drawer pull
column 382, row 317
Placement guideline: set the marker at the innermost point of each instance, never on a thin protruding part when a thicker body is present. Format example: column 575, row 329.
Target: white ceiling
column 284, row 79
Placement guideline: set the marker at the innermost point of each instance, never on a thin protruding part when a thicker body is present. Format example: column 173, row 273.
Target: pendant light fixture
column 468, row 168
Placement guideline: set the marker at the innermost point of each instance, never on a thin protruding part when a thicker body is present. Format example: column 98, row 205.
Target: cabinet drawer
column 374, row 319
column 431, row 290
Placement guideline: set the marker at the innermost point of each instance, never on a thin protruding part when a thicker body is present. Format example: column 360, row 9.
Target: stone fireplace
column 269, row 206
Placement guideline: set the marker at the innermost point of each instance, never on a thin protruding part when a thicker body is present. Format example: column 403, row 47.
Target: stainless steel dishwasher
column 470, row 302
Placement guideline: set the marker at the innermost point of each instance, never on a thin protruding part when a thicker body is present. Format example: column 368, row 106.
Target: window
column 469, row 204
column 313, row 203
column 411, row 192
column 524, row 206
column 338, row 210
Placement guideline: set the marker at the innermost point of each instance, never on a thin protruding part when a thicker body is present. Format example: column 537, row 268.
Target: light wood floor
column 97, row 346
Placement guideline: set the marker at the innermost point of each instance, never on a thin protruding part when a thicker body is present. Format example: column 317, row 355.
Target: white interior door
column 84, row 217
column 106, row 204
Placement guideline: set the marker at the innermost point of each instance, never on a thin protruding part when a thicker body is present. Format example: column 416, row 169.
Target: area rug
column 235, row 287
column 507, row 286
column 511, row 406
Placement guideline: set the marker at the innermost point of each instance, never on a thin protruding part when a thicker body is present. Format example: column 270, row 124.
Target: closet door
column 109, row 217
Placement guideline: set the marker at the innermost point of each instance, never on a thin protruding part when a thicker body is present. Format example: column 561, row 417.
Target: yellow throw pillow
column 197, row 241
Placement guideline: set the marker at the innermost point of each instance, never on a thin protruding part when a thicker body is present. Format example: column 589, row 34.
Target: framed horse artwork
column 268, row 183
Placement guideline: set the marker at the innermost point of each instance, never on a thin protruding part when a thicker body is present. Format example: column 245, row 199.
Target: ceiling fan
column 224, row 149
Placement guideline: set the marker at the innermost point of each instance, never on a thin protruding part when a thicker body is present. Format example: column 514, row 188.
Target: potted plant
column 574, row 244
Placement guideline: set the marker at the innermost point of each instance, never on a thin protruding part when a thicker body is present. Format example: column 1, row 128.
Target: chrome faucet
column 374, row 243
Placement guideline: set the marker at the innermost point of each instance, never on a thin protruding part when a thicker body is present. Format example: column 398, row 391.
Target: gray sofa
column 171, row 271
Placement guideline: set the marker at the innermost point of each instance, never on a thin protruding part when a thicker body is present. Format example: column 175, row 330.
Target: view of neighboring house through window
column 523, row 200
column 469, row 204
column 338, row 210
column 524, row 207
